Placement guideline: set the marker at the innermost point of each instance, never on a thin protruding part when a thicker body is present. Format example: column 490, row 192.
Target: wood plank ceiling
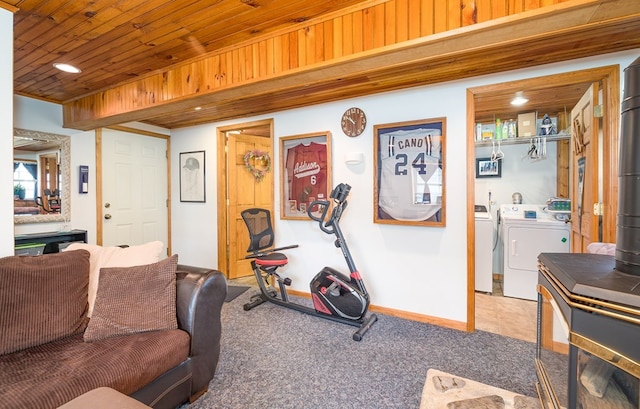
column 117, row 40
column 122, row 45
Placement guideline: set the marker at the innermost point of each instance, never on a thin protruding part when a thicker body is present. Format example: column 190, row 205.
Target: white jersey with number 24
column 411, row 173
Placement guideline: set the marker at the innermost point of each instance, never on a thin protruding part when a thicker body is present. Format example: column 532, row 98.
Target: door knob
column 107, row 216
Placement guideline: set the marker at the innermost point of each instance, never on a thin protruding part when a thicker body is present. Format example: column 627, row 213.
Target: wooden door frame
column 609, row 77
column 221, row 172
column 98, row 147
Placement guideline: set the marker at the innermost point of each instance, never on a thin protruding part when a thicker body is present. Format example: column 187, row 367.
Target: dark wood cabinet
column 52, row 240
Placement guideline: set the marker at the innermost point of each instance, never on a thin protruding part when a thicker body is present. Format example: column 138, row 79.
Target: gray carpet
column 273, row 357
column 233, row 291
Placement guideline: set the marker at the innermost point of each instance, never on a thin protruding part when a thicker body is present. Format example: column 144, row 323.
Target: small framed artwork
column 409, row 185
column 192, row 173
column 305, row 166
column 487, row 168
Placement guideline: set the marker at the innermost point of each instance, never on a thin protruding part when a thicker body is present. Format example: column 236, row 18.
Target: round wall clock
column 353, row 121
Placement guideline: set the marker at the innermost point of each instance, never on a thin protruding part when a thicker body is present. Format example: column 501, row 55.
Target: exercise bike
column 335, row 296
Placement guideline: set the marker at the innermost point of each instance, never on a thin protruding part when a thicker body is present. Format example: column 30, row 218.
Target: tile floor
column 511, row 317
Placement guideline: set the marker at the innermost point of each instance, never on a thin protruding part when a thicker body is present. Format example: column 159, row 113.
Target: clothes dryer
column 528, row 230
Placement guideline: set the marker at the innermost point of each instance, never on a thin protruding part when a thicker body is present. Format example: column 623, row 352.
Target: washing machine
column 484, row 249
column 528, row 230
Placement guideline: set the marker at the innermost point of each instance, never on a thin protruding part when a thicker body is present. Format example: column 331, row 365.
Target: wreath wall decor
column 262, row 156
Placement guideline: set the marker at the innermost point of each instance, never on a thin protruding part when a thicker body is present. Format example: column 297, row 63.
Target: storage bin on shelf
column 29, row 249
column 64, row 245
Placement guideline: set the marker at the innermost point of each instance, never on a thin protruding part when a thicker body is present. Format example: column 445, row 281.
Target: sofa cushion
column 46, row 376
column 42, row 298
column 134, row 299
column 113, row 256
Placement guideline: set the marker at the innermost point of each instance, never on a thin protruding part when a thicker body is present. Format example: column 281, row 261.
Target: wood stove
column 588, row 341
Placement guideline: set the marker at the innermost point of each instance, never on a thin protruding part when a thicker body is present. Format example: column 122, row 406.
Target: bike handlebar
column 324, row 206
column 339, row 194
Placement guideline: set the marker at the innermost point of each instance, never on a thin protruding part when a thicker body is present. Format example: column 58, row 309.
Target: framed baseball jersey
column 409, row 172
column 306, row 173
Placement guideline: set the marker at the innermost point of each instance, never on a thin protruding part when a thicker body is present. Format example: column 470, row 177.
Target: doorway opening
column 546, row 94
column 239, row 189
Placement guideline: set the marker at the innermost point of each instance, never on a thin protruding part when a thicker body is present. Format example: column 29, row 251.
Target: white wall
column 535, row 180
column 6, row 132
column 405, row 267
column 540, row 176
column 44, row 116
column 415, row 269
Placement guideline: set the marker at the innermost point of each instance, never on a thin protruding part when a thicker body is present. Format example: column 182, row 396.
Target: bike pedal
column 287, row 281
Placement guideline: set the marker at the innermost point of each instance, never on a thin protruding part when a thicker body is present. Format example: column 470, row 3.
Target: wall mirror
column 41, row 177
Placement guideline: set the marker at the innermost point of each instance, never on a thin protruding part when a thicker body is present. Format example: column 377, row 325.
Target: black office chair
column 47, row 206
column 261, row 238
column 43, row 204
column 51, row 202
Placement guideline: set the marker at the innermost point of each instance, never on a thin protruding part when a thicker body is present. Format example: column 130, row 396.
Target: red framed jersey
column 306, row 167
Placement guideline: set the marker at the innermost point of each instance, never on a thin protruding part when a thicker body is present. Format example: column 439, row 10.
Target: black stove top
column 593, row 276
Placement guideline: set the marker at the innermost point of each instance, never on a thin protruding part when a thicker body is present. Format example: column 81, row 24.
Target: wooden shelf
column 523, row 140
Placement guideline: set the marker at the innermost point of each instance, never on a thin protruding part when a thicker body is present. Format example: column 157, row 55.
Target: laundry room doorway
column 553, row 93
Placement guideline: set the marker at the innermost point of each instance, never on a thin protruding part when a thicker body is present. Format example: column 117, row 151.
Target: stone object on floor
column 525, row 402
column 446, row 391
column 444, row 383
column 483, row 402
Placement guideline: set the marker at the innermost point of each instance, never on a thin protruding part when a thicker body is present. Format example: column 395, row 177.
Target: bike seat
column 272, row 259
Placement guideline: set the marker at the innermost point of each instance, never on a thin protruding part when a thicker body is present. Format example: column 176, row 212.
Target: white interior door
column 134, row 188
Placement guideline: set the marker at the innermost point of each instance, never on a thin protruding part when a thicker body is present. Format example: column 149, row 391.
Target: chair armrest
column 199, row 298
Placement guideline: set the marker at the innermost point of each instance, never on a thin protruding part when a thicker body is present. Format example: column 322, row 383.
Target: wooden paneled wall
column 354, row 30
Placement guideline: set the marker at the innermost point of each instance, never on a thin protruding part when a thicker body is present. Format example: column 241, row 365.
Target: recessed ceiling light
column 67, row 68
column 519, row 99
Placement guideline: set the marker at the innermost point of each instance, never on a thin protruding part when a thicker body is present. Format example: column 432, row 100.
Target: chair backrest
column 44, row 204
column 258, row 223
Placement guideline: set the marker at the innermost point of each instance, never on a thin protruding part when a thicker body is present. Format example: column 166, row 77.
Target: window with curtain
column 25, row 173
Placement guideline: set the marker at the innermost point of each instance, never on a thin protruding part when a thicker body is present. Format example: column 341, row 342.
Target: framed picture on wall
column 305, row 166
column 487, row 168
column 192, row 167
column 409, row 185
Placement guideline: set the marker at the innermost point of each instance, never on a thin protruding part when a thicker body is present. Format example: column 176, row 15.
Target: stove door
column 603, row 386
column 552, row 357
column 587, row 355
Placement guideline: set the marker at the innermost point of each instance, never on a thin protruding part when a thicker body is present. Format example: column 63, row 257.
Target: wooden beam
column 8, row 7
column 578, row 28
